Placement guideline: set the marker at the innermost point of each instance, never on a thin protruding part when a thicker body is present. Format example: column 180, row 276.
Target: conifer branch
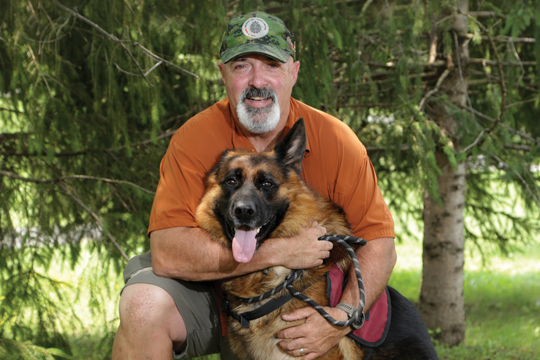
column 87, row 151
column 523, row 181
column 110, row 36
column 122, row 44
column 508, row 128
column 94, row 215
column 83, row 177
column 11, row 110
column 500, row 69
column 41, row 75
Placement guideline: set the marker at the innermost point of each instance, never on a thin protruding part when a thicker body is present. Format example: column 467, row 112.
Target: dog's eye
column 232, row 182
column 267, row 183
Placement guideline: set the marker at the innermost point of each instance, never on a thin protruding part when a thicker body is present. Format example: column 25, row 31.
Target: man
column 169, row 304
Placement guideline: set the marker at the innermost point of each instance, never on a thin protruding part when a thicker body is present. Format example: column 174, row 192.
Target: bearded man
column 168, row 306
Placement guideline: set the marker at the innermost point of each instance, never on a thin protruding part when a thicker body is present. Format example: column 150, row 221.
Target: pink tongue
column 243, row 245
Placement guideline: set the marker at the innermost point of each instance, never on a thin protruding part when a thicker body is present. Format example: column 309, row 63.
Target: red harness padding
column 375, row 328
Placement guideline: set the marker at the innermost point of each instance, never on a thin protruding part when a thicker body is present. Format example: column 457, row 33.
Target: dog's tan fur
column 258, row 341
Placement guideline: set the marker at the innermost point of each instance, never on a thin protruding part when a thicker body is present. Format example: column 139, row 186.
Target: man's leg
column 150, row 324
column 159, row 315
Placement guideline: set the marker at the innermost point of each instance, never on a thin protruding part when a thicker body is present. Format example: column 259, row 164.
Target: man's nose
column 258, row 77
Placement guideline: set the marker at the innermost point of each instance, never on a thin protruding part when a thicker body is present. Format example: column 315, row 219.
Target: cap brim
column 254, row 48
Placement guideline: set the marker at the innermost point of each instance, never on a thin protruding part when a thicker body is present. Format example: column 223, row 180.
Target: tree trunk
column 441, row 296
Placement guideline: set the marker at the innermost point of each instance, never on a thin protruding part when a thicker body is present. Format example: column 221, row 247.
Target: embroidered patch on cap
column 255, row 28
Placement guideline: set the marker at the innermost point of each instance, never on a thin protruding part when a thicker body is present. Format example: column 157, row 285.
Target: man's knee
column 146, row 306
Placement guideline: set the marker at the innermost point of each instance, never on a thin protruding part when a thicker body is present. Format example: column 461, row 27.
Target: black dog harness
column 356, row 320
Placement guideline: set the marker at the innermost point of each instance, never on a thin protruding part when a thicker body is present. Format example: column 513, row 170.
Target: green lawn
column 502, row 304
column 502, row 299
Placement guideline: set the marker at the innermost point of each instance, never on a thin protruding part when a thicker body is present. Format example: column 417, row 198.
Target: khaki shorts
column 197, row 304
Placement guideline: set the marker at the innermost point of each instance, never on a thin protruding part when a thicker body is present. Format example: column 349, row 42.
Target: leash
column 357, row 318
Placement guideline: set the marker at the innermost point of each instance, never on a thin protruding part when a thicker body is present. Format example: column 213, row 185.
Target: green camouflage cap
column 257, row 33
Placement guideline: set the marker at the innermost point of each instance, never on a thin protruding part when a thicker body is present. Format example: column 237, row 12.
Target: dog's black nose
column 244, row 211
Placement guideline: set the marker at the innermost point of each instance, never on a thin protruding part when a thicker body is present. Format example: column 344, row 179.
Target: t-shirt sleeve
column 358, row 193
column 180, row 187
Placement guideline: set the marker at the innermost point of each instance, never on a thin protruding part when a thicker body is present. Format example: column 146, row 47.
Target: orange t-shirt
column 335, row 164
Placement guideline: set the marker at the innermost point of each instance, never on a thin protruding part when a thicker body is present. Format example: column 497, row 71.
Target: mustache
column 264, row 92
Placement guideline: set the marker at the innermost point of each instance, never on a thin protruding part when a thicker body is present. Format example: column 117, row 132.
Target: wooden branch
column 441, row 63
column 379, row 149
column 83, row 177
column 392, row 65
column 151, row 54
column 517, row 147
column 475, row 142
column 486, row 14
column 94, row 215
column 523, row 102
column 502, row 38
column 367, row 105
column 435, row 89
column 503, row 63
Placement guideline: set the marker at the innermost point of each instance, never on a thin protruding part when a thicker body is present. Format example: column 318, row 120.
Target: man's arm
column 190, row 254
column 316, row 336
column 377, row 260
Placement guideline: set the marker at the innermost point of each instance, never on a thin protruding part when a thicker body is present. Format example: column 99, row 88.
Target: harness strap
column 245, row 317
column 356, row 320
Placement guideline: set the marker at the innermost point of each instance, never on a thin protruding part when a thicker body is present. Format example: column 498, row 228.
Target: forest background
column 444, row 94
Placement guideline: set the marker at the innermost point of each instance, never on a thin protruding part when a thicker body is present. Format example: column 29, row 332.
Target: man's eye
column 232, row 182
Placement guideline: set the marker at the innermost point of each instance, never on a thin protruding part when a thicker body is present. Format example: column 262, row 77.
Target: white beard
column 258, row 120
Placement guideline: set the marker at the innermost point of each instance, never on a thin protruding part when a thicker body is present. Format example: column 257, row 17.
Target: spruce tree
column 443, row 94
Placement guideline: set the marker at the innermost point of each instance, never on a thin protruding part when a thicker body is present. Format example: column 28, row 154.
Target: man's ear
column 222, row 70
column 290, row 151
column 295, row 70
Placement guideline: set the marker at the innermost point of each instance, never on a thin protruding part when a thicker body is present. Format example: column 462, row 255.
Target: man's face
column 259, row 90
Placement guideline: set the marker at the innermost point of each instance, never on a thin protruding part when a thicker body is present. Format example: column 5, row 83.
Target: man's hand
column 302, row 251
column 316, row 336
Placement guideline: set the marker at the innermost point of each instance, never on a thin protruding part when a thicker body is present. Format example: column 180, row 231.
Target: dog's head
column 247, row 194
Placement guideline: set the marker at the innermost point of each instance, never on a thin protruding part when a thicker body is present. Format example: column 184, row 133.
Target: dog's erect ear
column 291, row 149
column 219, row 164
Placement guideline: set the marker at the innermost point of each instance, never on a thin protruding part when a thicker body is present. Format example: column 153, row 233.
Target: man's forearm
column 190, row 254
column 376, row 259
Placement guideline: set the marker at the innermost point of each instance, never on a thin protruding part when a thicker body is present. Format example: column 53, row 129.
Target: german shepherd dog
column 251, row 197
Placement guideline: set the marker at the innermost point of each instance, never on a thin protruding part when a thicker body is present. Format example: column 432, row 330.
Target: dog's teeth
column 259, row 229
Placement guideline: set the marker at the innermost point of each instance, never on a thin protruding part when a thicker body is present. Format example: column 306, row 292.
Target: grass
column 502, row 301
column 502, row 304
